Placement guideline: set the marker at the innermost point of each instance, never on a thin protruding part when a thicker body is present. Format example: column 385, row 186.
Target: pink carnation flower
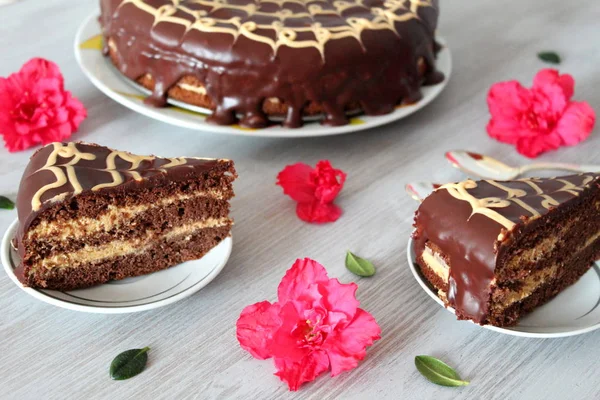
column 35, row 108
column 314, row 326
column 541, row 118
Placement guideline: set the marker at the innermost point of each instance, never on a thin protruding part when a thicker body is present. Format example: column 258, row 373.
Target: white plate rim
column 272, row 132
column 513, row 331
column 5, row 257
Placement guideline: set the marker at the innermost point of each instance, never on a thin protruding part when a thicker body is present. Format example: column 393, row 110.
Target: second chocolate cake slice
column 496, row 250
column 89, row 214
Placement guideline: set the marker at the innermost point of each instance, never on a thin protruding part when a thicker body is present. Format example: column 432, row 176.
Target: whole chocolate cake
column 254, row 58
column 496, row 250
column 89, row 214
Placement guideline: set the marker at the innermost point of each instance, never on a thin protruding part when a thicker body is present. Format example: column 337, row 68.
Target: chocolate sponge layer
column 163, row 254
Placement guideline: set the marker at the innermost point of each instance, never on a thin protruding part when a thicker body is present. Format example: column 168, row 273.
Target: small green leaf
column 128, row 364
column 6, row 203
column 438, row 372
column 549, row 57
column 359, row 266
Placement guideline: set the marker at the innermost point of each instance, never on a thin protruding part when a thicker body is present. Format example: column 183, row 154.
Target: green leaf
column 128, row 364
column 438, row 372
column 6, row 203
column 549, row 57
column 359, row 266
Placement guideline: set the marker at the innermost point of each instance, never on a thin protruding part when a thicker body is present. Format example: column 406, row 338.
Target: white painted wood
column 47, row 352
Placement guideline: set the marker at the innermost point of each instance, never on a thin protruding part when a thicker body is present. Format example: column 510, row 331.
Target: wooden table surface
column 48, row 352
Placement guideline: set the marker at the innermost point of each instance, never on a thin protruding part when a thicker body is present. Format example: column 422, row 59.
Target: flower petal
column 287, row 337
column 299, row 278
column 317, row 212
column 38, row 68
column 534, row 145
column 346, row 347
column 549, row 76
column 576, row 123
column 328, row 180
column 256, row 326
column 294, row 179
column 507, row 102
column 306, row 370
column 340, row 297
column 508, row 99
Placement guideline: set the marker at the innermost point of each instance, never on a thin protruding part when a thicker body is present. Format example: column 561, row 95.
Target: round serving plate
column 131, row 294
column 102, row 73
column 574, row 311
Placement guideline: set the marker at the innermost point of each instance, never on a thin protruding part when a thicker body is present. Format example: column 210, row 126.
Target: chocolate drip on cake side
column 336, row 54
column 468, row 221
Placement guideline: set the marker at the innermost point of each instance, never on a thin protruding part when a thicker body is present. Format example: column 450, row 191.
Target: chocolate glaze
column 130, row 172
column 377, row 67
column 474, row 243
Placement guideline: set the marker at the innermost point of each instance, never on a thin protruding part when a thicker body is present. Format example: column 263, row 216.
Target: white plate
column 105, row 77
column 131, row 294
column 574, row 311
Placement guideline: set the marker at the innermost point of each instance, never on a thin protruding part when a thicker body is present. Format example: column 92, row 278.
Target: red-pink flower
column 35, row 107
column 541, row 118
column 314, row 326
column 313, row 189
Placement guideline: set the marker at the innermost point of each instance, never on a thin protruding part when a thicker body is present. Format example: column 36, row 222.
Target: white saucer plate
column 574, row 311
column 101, row 72
column 131, row 294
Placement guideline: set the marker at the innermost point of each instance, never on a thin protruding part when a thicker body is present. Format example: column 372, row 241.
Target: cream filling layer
column 437, row 264
column 545, row 247
column 119, row 248
column 105, row 222
column 192, row 88
column 202, row 91
column 528, row 286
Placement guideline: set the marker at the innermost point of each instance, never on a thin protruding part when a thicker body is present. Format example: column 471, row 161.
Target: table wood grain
column 50, row 353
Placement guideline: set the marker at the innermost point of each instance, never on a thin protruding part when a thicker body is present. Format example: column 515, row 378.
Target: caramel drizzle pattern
column 383, row 18
column 68, row 175
column 487, row 205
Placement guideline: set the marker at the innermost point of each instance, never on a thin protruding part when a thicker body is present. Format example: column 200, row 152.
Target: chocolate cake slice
column 496, row 250
column 89, row 214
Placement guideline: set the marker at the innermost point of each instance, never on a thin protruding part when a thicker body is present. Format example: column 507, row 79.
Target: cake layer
column 73, row 234
column 114, row 216
column 122, row 247
column 68, row 234
column 158, row 255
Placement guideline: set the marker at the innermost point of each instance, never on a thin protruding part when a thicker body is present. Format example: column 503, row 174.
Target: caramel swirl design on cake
column 204, row 20
column 532, row 199
column 62, row 177
column 65, row 173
